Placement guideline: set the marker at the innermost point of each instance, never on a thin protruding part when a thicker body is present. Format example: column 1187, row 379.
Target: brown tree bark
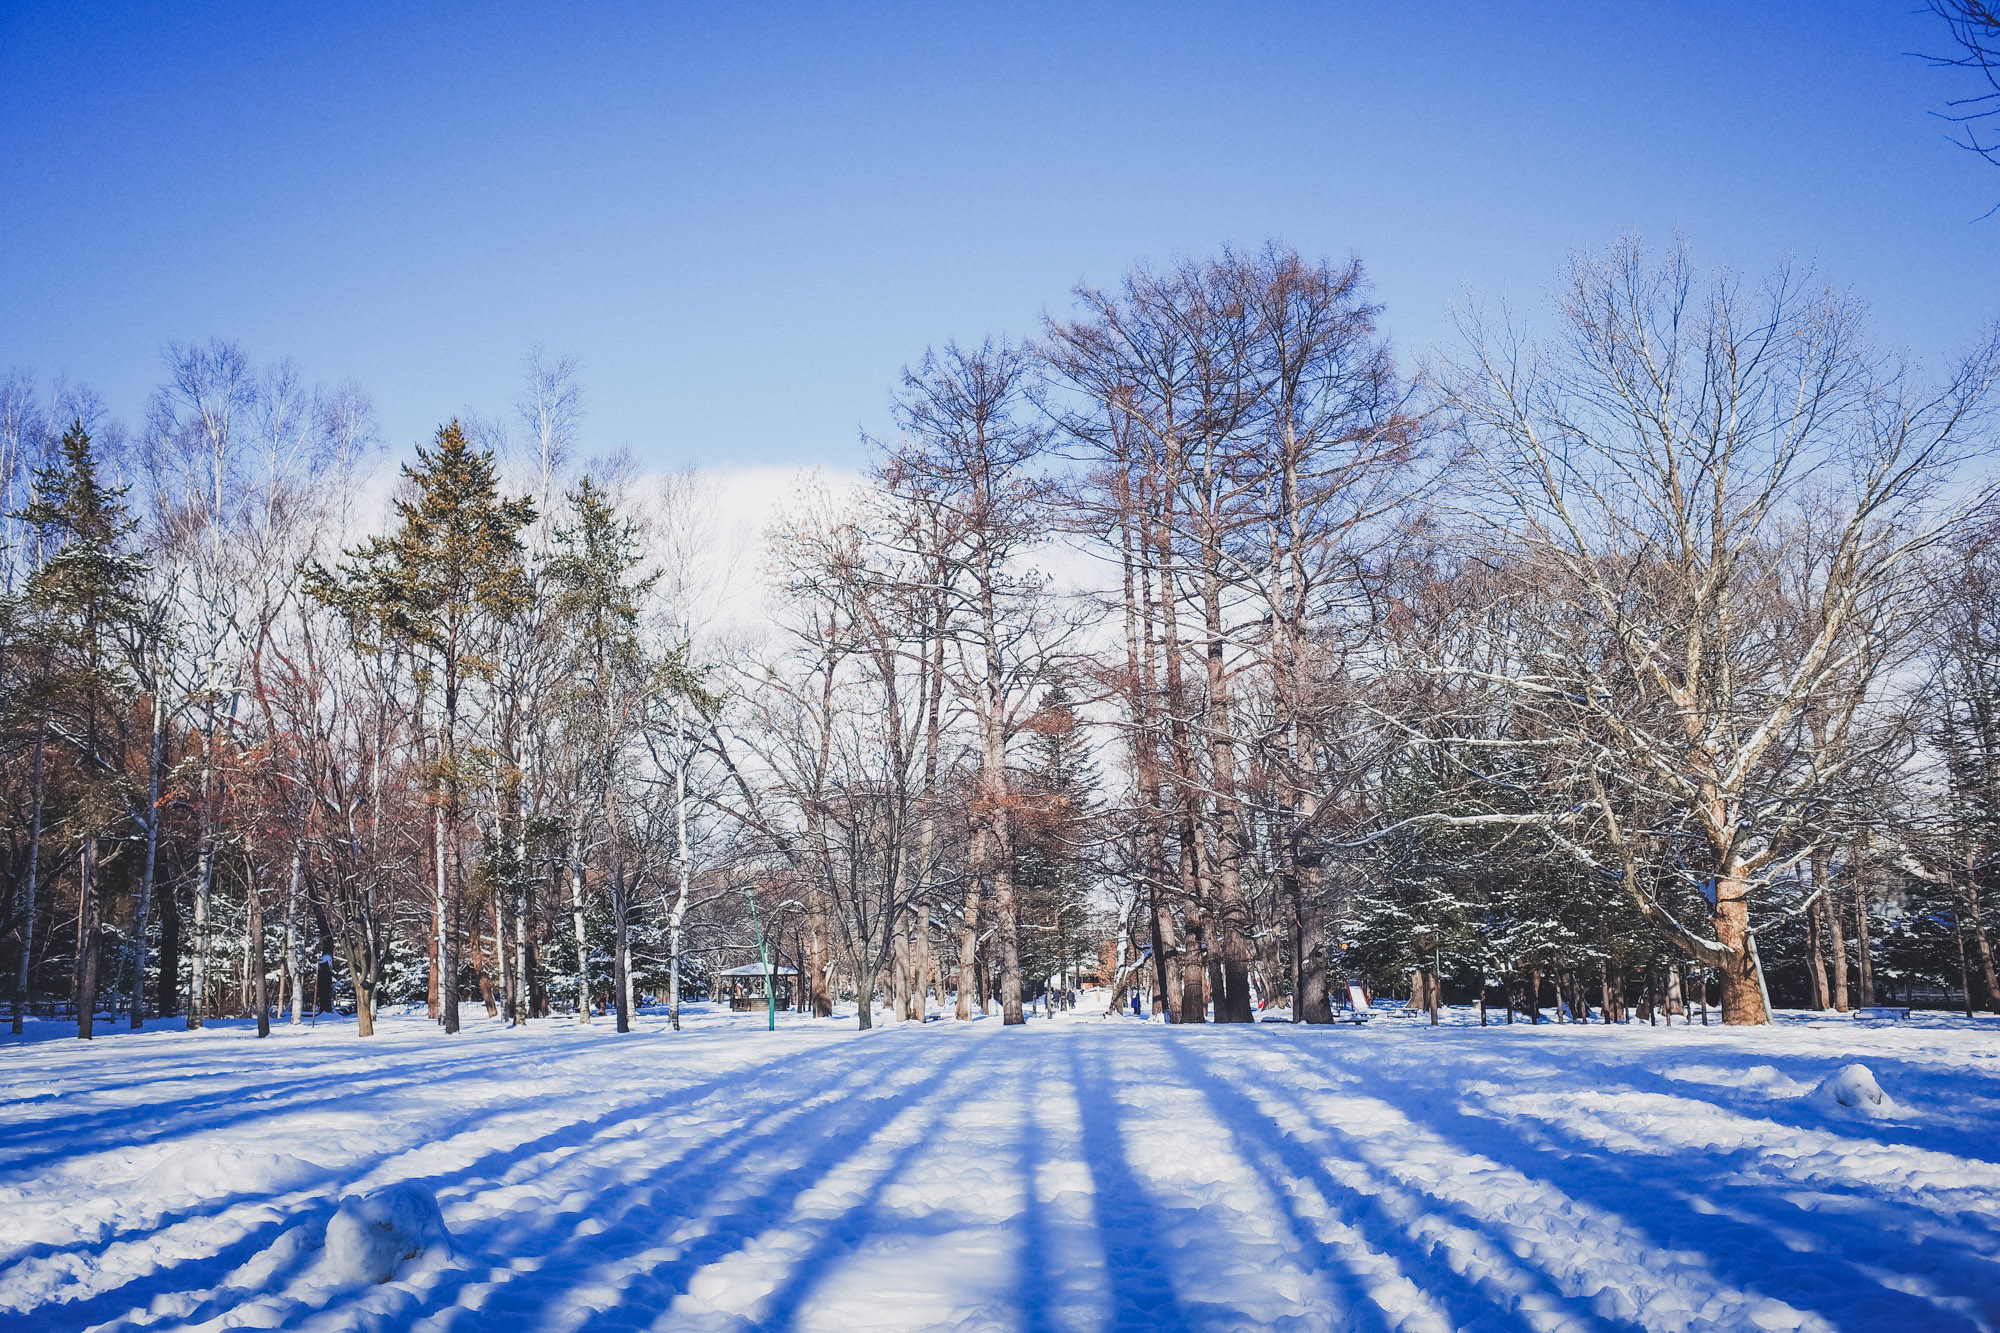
column 1865, row 968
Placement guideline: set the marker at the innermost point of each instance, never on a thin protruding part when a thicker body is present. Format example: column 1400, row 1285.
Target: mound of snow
column 203, row 1171
column 388, row 1234
column 1853, row 1088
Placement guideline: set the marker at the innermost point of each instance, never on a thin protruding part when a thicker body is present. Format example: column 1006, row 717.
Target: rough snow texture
column 1079, row 1174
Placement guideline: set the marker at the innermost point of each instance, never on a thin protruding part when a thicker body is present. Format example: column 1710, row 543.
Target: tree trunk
column 899, row 969
column 582, row 938
column 143, row 912
column 24, row 975
column 537, row 980
column 1982, row 943
column 1191, row 963
column 1815, row 957
column 676, row 920
column 1742, row 996
column 166, row 999
column 927, row 828
column 1166, row 969
column 1314, row 1004
column 253, row 948
column 364, row 968
column 1837, row 950
column 438, row 930
column 621, row 959
column 968, row 948
column 204, row 880
column 1229, row 934
column 87, row 941
column 1000, row 839
column 1865, row 968
column 921, row 947
column 1194, row 974
column 501, row 972
column 821, row 957
column 523, row 991
column 293, row 979
column 322, row 987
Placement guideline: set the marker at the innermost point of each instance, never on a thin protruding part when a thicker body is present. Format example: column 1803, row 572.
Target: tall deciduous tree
column 1712, row 500
column 972, row 456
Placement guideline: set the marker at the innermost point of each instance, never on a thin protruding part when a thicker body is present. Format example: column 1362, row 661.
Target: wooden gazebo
column 743, row 986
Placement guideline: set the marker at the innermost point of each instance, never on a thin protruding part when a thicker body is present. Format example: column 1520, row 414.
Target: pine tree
column 437, row 585
column 70, row 621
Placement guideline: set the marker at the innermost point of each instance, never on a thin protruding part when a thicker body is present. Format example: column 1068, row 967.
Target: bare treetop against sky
column 744, row 219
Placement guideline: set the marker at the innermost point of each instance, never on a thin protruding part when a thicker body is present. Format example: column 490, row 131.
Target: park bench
column 1881, row 1014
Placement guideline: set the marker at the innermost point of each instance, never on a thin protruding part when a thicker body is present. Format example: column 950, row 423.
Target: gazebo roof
column 756, row 970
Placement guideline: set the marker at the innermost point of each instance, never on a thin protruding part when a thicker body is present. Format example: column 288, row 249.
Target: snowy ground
column 1081, row 1173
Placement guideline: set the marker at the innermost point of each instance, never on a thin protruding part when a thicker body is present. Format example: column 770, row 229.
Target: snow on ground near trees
column 1078, row 1174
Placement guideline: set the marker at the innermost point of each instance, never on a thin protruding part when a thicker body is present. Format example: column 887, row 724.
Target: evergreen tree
column 70, row 622
column 438, row 585
column 597, row 609
column 1052, row 851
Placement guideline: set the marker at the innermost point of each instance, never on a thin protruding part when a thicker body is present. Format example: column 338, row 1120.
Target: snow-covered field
column 1080, row 1173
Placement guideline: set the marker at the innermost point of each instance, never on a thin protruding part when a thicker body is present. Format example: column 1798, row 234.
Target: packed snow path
column 1078, row 1174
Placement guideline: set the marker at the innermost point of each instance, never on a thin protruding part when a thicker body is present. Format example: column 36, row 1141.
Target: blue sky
column 744, row 218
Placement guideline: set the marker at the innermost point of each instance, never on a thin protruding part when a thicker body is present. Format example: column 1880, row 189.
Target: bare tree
column 969, row 464
column 1681, row 464
column 196, row 454
column 1975, row 32
column 551, row 407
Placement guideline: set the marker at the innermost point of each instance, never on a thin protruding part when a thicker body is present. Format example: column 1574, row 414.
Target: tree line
column 1192, row 645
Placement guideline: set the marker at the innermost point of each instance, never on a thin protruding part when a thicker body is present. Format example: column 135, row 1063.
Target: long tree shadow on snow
column 867, row 1221
column 1673, row 1216
column 1623, row 1067
column 1886, row 1243
column 1281, row 1160
column 854, row 1072
column 642, row 1208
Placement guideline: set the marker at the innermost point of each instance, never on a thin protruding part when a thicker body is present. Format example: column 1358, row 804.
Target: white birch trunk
column 582, row 939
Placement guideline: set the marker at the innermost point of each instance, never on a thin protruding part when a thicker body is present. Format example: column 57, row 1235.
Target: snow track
column 1079, row 1174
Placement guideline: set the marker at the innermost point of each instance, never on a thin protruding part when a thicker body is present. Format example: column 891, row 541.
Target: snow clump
column 1853, row 1088
column 388, row 1234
